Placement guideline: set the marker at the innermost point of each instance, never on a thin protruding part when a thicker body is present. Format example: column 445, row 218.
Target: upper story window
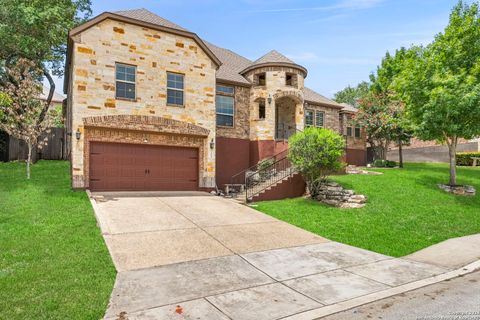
column 225, row 105
column 349, row 126
column 260, row 79
column 125, row 81
column 175, row 89
column 261, row 110
column 291, row 79
column 358, row 132
column 314, row 118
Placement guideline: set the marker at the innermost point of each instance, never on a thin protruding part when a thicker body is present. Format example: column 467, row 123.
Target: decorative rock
column 355, row 170
column 333, row 194
column 458, row 190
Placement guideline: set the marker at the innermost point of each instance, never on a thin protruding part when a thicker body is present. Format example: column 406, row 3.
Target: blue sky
column 339, row 41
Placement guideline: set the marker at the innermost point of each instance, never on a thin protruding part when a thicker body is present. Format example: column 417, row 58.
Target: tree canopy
column 351, row 95
column 38, row 30
column 440, row 83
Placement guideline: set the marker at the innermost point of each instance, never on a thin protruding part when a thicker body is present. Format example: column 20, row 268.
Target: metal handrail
column 267, row 177
column 240, row 176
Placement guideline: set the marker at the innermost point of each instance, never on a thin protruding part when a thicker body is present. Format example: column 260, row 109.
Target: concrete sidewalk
column 203, row 257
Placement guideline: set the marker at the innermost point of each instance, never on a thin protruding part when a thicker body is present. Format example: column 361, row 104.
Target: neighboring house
column 151, row 106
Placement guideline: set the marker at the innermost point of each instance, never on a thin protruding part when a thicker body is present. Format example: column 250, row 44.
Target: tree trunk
column 43, row 113
column 29, row 158
column 400, row 153
column 452, row 151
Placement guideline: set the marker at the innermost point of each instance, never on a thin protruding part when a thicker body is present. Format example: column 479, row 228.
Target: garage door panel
column 115, row 166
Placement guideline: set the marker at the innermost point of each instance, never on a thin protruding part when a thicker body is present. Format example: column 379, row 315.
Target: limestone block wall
column 276, row 88
column 92, row 91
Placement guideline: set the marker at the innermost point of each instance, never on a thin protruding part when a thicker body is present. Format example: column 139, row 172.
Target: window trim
column 313, row 118
column 176, row 89
column 229, row 95
column 359, row 132
column 323, row 118
column 125, row 81
column 351, row 131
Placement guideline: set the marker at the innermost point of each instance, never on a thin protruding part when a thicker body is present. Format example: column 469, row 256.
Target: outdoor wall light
column 78, row 134
column 269, row 99
column 212, row 144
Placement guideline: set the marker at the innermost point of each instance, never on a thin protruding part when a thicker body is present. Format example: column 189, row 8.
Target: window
column 358, row 132
column 260, row 79
column 225, row 109
column 319, row 119
column 314, row 118
column 224, row 89
column 261, row 110
column 224, row 102
column 289, row 79
column 349, row 132
column 125, row 81
column 309, row 115
column 175, row 89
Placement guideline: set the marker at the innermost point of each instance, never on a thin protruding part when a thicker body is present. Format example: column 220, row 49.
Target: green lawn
column 405, row 212
column 53, row 261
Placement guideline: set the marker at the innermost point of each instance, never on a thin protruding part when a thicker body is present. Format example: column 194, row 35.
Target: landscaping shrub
column 384, row 164
column 316, row 153
column 465, row 158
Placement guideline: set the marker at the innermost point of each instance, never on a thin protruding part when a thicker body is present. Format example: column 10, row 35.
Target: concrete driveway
column 196, row 256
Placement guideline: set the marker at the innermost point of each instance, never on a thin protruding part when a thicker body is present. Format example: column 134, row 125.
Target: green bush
column 316, row 153
column 384, row 164
column 465, row 158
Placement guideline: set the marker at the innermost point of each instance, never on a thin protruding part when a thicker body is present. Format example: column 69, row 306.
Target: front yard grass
column 405, row 212
column 53, row 261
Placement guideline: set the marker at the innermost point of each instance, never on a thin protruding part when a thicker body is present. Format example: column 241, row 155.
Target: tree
column 351, row 95
column 397, row 127
column 377, row 114
column 20, row 106
column 38, row 30
column 316, row 153
column 440, row 83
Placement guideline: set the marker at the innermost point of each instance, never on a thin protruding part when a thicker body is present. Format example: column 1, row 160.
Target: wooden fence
column 12, row 149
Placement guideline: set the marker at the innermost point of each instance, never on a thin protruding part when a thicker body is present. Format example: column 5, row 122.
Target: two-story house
column 152, row 106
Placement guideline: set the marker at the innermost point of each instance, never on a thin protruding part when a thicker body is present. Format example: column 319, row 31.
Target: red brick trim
column 146, row 124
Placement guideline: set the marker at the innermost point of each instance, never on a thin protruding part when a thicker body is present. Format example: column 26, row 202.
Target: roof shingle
column 150, row 17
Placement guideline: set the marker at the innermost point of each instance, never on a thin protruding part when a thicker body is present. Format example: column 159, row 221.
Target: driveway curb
column 356, row 302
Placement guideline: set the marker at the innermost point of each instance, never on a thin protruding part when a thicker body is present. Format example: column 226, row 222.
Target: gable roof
column 150, row 17
column 314, row 97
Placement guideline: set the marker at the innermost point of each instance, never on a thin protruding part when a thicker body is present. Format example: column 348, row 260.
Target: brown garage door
column 134, row 167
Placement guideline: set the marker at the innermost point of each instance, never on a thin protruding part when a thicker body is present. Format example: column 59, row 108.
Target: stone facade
column 277, row 91
column 92, row 84
column 95, row 114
